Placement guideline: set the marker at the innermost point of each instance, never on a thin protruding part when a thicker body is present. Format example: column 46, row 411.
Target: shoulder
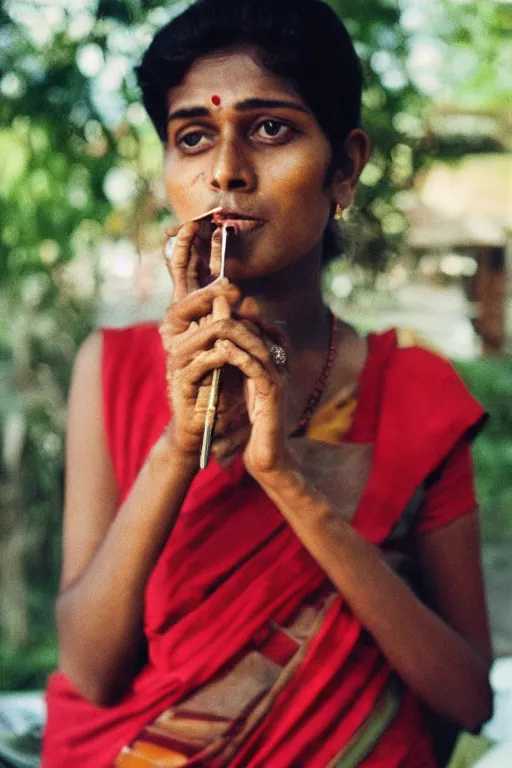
column 132, row 360
column 134, row 349
column 134, row 396
column 132, row 338
column 87, row 365
column 106, row 345
column 413, row 361
column 114, row 354
column 420, row 387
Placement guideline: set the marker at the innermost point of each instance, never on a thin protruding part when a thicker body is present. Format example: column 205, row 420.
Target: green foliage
column 35, row 371
column 477, row 35
column 491, row 382
column 26, row 667
column 394, row 114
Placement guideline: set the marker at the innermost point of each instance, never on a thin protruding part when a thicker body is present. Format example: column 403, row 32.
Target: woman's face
column 242, row 138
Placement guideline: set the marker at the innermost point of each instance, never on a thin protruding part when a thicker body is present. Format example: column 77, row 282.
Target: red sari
column 233, row 567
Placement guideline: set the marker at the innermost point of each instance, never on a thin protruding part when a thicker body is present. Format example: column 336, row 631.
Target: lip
column 227, row 214
column 241, row 222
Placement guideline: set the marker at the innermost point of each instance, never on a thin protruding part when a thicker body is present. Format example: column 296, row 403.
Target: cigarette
column 211, row 411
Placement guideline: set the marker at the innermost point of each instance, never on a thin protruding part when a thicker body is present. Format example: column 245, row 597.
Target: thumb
column 221, row 309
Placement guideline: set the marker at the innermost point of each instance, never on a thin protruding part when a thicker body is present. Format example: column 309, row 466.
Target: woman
column 248, row 614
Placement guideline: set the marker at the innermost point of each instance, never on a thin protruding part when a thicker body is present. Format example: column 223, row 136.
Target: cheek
column 301, row 185
column 181, row 187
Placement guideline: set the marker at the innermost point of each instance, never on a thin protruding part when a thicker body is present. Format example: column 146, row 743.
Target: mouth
column 239, row 222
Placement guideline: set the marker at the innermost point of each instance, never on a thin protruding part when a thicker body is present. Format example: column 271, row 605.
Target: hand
column 196, row 255
column 192, row 307
column 198, row 317
column 192, row 249
column 264, row 436
column 237, row 437
column 265, row 391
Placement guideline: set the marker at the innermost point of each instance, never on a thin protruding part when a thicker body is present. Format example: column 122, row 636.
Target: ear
column 357, row 149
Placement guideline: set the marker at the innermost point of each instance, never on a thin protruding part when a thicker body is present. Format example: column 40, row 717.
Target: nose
column 231, row 168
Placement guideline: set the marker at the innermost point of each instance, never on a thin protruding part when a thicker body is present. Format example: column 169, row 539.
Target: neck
column 293, row 297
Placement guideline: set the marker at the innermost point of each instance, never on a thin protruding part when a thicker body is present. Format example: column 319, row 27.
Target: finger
column 275, row 339
column 227, row 422
column 193, row 272
column 221, row 309
column 265, row 379
column 231, row 406
column 226, row 353
column 198, row 304
column 172, row 230
column 249, row 308
column 228, row 417
column 193, row 378
column 198, row 271
column 201, row 247
column 216, row 252
column 178, row 265
column 207, row 336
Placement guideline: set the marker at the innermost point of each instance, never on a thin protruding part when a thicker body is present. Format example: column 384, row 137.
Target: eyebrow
column 242, row 106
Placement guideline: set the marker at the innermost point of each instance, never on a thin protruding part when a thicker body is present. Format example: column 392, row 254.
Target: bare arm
column 444, row 658
column 107, row 558
column 450, row 563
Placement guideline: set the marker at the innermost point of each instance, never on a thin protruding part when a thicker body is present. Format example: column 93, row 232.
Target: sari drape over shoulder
column 233, row 579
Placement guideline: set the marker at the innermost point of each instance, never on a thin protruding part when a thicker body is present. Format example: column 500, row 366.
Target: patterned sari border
column 371, row 731
column 224, row 753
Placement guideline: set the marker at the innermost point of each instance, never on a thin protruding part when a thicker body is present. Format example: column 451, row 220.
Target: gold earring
column 338, row 213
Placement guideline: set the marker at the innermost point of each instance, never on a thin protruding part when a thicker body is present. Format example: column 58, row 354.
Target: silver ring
column 278, row 355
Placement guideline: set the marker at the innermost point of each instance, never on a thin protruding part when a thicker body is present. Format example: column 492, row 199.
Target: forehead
column 234, row 76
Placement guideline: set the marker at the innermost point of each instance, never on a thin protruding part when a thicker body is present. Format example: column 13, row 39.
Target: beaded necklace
column 319, row 388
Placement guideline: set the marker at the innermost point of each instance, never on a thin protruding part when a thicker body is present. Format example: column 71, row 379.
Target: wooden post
column 490, row 295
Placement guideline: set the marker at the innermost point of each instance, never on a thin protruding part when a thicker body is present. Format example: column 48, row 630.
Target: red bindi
column 216, row 100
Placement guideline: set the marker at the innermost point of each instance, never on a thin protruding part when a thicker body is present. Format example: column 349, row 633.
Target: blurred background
column 427, row 247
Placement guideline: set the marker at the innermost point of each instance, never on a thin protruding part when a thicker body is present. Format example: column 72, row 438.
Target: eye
column 194, row 140
column 191, row 139
column 273, row 130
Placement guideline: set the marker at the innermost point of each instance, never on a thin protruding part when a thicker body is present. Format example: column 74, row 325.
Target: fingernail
column 169, row 248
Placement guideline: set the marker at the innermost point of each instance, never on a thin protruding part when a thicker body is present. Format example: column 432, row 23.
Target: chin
column 254, row 261
column 240, row 272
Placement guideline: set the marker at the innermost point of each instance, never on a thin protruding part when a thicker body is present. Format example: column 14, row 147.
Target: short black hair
column 303, row 41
